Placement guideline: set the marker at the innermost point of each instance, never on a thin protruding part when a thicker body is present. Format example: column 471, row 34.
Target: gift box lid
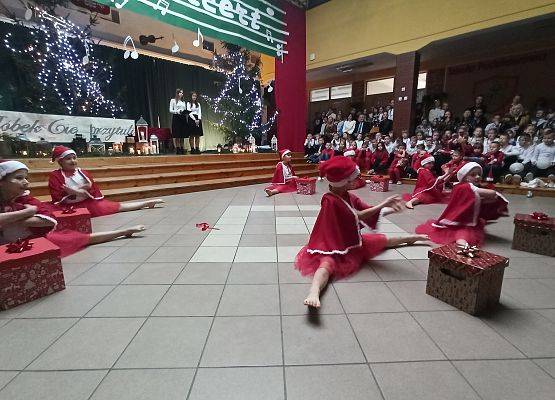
column 453, row 257
column 41, row 248
column 306, row 179
column 535, row 219
column 77, row 212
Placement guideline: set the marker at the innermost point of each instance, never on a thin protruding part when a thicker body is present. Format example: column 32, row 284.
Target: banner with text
column 63, row 128
column 254, row 24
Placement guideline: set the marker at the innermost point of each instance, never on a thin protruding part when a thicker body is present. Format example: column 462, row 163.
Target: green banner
column 254, row 24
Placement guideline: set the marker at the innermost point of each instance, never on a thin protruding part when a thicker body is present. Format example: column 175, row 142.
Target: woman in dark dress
column 178, row 109
column 194, row 129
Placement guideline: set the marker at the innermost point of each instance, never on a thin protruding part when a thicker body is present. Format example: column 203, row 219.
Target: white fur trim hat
column 466, row 168
column 349, row 153
column 427, row 160
column 60, row 152
column 10, row 166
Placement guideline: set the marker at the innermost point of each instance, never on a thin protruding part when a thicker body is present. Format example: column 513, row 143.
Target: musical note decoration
column 279, row 51
column 162, row 6
column 120, row 5
column 133, row 53
column 199, row 40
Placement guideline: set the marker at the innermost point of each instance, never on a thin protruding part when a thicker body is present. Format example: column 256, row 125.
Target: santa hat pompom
column 60, row 152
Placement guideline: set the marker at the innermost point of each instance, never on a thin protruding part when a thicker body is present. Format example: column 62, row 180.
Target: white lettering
column 242, row 12
column 255, row 18
column 196, row 3
column 208, row 7
column 226, row 9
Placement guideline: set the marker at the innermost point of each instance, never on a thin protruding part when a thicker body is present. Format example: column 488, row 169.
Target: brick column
column 404, row 90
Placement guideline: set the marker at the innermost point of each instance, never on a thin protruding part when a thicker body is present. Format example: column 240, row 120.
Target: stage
column 138, row 177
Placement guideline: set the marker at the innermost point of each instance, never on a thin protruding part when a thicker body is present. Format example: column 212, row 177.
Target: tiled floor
column 185, row 314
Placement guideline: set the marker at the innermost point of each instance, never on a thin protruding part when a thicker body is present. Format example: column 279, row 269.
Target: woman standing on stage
column 194, row 129
column 178, row 109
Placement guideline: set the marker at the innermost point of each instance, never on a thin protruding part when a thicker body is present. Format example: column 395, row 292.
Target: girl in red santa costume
column 75, row 186
column 358, row 182
column 24, row 217
column 469, row 209
column 284, row 180
column 428, row 189
column 336, row 246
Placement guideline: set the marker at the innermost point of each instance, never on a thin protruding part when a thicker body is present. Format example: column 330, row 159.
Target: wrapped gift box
column 378, row 184
column 31, row 274
column 306, row 185
column 471, row 284
column 534, row 233
column 78, row 219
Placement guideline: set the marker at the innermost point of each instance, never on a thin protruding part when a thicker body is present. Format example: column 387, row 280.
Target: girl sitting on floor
column 284, row 180
column 24, row 217
column 470, row 207
column 380, row 159
column 336, row 246
column 428, row 189
column 398, row 165
column 71, row 185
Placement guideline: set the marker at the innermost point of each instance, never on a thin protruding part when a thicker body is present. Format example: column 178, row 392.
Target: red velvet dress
column 464, row 217
column 95, row 203
column 428, row 189
column 283, row 180
column 336, row 238
column 68, row 241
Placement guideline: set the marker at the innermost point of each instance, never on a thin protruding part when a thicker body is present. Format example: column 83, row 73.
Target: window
column 341, row 92
column 386, row 85
column 319, row 94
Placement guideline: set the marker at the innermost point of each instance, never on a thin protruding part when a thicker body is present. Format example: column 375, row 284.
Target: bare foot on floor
column 409, row 205
column 152, row 203
column 417, row 238
column 313, row 300
column 134, row 229
column 269, row 193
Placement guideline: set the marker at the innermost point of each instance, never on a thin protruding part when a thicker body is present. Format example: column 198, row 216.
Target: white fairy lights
column 239, row 101
column 67, row 66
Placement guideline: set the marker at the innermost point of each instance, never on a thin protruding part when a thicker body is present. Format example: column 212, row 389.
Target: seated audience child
column 71, row 185
column 336, row 247
column 454, row 165
column 428, row 189
column 363, row 157
column 309, row 145
column 24, row 217
column 284, row 180
column 416, row 159
column 543, row 160
column 390, row 145
column 412, row 146
column 380, row 160
column 523, row 165
column 493, row 163
column 398, row 165
column 477, row 155
column 359, row 181
column 467, row 212
column 430, row 145
column 320, row 147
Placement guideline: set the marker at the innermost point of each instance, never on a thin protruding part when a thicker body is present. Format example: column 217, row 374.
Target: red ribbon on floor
column 468, row 250
column 204, row 226
column 69, row 210
column 539, row 216
column 19, row 246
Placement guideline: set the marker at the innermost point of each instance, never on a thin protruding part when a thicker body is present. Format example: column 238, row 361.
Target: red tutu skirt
column 428, row 197
column 287, row 187
column 97, row 208
column 342, row 265
column 473, row 235
column 69, row 241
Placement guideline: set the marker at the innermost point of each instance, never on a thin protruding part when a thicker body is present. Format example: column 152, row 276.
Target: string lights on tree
column 67, row 68
column 239, row 104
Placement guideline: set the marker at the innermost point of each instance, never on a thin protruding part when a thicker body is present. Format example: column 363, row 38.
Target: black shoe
column 198, row 150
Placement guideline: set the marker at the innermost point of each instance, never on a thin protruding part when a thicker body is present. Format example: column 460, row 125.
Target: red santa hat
column 283, row 153
column 465, row 170
column 349, row 153
column 9, row 166
column 427, row 160
column 339, row 170
column 60, row 152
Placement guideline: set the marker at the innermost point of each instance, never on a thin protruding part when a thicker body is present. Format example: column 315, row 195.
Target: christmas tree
column 239, row 104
